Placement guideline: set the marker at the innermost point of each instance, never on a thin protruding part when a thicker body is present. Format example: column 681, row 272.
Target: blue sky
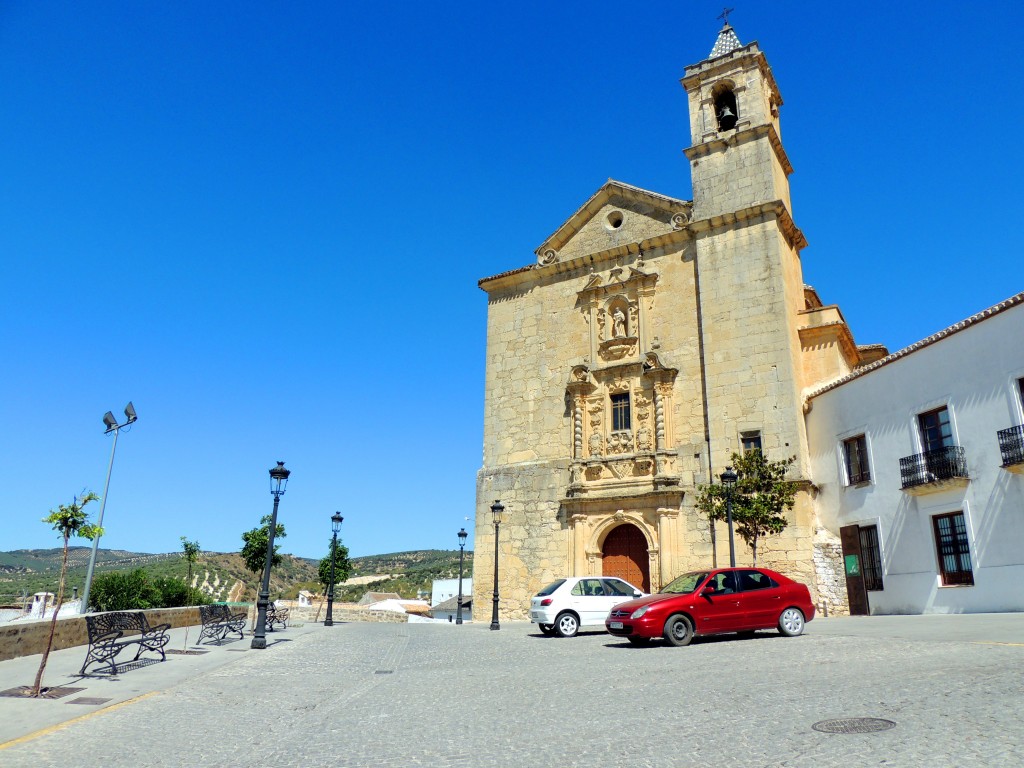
column 264, row 224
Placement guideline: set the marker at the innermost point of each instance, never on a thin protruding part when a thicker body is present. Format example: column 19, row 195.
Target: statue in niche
column 618, row 323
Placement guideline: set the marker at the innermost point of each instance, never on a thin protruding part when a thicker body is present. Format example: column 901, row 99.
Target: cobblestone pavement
column 441, row 695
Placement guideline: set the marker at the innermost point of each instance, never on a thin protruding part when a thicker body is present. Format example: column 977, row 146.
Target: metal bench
column 218, row 621
column 110, row 633
column 276, row 615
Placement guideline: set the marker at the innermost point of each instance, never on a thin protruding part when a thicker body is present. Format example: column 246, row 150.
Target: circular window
column 614, row 219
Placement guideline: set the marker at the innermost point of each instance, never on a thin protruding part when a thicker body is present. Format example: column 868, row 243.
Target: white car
column 564, row 606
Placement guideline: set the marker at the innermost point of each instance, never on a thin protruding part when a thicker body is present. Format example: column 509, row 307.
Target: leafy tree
column 254, row 549
column 191, row 553
column 172, row 593
column 123, row 591
column 342, row 567
column 760, row 497
column 68, row 520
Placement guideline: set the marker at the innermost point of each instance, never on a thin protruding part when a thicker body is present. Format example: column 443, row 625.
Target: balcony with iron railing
column 934, row 471
column 1011, row 447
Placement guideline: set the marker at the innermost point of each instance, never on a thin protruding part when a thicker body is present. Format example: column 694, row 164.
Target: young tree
column 191, row 553
column 68, row 520
column 342, row 567
column 760, row 497
column 254, row 549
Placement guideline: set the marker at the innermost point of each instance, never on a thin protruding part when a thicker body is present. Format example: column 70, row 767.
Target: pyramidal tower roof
column 726, row 42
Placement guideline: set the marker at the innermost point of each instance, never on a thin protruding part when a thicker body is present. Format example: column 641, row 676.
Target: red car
column 714, row 602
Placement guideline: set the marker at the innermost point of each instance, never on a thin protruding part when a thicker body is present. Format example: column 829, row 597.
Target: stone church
column 651, row 339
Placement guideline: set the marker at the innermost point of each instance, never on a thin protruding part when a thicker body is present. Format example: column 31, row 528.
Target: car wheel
column 678, row 630
column 638, row 640
column 547, row 629
column 791, row 622
column 567, row 625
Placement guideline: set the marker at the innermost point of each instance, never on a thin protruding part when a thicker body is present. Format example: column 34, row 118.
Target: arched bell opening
column 726, row 109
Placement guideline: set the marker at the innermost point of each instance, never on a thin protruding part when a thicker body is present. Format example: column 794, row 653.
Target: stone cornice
column 696, row 74
column 651, row 499
column 776, row 208
column 530, row 274
column 838, row 331
column 735, row 138
column 534, row 271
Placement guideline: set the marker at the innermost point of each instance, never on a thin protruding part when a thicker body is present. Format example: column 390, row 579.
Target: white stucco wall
column 973, row 372
column 446, row 589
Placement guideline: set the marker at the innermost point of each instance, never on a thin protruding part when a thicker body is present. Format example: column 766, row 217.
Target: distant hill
column 407, row 573
column 223, row 575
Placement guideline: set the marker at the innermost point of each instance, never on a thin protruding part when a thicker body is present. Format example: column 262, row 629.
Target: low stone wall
column 26, row 637
column 341, row 612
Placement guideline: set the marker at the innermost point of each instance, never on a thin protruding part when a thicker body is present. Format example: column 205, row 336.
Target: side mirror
column 638, row 594
column 708, row 592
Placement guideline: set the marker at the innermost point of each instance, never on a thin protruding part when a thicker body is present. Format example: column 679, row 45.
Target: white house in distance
column 446, row 589
column 918, row 460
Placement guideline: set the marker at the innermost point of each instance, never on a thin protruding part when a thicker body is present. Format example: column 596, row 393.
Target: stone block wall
column 25, row 638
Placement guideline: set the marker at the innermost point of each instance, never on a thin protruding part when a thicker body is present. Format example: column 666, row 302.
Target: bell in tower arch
column 725, row 108
column 726, row 119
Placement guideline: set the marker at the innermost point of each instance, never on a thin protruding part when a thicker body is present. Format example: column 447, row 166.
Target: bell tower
column 747, row 256
column 736, row 157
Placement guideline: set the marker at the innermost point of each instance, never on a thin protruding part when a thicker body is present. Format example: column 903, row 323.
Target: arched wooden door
column 625, row 556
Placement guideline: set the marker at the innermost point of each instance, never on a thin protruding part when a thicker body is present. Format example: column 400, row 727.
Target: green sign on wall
column 852, row 565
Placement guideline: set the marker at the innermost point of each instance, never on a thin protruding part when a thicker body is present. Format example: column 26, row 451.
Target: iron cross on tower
column 724, row 16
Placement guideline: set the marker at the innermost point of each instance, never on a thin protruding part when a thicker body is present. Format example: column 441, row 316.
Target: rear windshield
column 685, row 584
column 551, row 588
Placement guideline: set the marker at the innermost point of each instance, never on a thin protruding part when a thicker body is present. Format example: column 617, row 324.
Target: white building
column 446, row 589
column 918, row 459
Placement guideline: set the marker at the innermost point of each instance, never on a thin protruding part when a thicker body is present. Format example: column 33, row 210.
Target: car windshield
column 685, row 584
column 550, row 588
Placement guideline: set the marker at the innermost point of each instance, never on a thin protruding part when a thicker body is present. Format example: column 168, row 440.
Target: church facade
column 651, row 339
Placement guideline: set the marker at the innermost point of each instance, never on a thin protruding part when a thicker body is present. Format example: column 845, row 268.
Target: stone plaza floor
column 446, row 695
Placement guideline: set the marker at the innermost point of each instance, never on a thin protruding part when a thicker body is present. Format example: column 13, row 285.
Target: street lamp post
column 336, row 520
column 112, row 426
column 729, row 479
column 462, row 549
column 278, row 483
column 497, row 509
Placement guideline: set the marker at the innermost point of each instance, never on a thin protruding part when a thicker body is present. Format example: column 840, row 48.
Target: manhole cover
column 89, row 700
column 184, row 653
column 854, row 725
column 384, row 672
